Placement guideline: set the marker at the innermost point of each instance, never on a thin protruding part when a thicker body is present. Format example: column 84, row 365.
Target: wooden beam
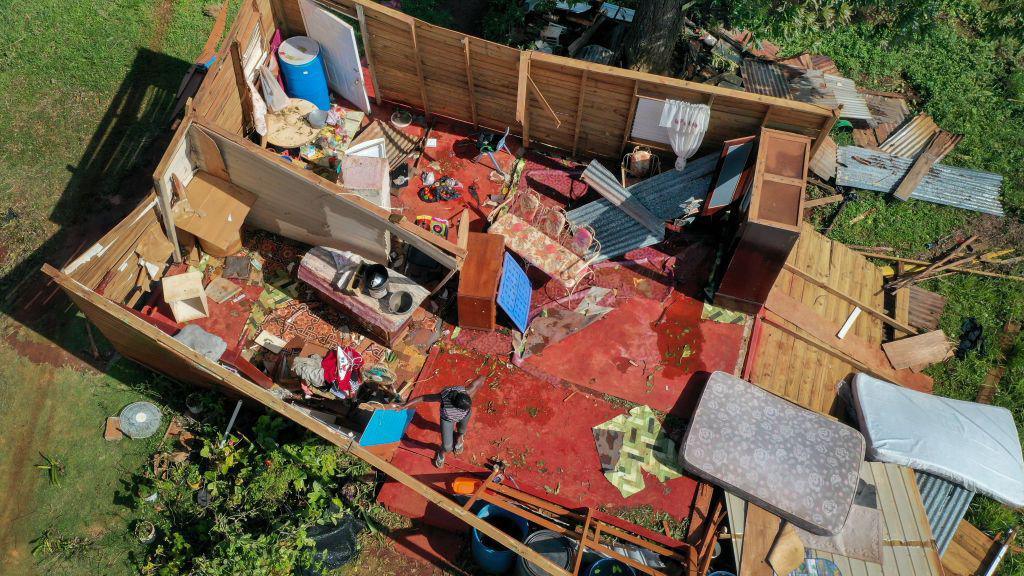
column 629, row 116
column 823, row 201
column 864, row 355
column 544, row 101
column 368, row 51
column 767, row 116
column 953, row 268
column 826, row 129
column 921, row 350
column 243, row 88
column 522, row 114
column 758, row 537
column 921, row 165
column 244, row 387
column 867, row 308
column 469, row 81
column 583, row 544
column 419, row 67
column 579, row 112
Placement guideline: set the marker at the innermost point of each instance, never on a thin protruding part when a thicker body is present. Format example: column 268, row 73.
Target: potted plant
column 145, row 531
column 194, row 479
column 194, row 402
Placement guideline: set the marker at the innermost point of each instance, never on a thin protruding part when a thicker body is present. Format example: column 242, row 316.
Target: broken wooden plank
column 823, row 201
column 864, row 306
column 922, row 164
column 863, row 355
column 758, row 536
column 920, row 350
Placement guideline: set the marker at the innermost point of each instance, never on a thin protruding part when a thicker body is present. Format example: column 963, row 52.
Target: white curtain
column 686, row 124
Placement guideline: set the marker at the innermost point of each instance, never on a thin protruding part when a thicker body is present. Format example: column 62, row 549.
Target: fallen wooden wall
column 577, row 106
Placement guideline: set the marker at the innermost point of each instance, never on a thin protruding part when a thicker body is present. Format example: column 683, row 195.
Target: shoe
column 439, row 460
column 460, row 445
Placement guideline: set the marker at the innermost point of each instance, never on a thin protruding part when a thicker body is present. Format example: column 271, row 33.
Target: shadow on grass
column 112, row 177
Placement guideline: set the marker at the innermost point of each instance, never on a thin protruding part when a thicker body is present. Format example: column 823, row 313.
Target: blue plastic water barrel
column 609, row 567
column 302, row 68
column 497, row 561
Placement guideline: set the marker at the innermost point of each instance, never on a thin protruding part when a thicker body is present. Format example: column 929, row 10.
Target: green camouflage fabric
column 644, row 447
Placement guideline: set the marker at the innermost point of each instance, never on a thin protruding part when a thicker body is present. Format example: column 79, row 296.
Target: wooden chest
column 479, row 279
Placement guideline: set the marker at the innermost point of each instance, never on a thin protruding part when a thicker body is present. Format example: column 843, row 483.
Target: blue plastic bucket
column 302, row 68
column 497, row 561
column 607, row 567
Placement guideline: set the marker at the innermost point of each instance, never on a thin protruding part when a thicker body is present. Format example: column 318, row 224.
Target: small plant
column 54, row 467
column 51, row 544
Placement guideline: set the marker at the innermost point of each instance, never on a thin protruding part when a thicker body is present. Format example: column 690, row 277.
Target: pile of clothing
column 338, row 373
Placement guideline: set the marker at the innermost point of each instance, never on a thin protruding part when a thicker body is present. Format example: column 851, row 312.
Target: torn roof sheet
column 664, row 195
column 610, row 10
column 831, row 91
column 948, row 185
column 945, row 504
column 760, row 77
column 910, row 139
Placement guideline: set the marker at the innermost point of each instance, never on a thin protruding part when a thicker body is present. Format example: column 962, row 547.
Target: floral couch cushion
column 791, row 461
column 539, row 249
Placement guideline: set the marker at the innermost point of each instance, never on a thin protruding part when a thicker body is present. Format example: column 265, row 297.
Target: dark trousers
column 448, row 430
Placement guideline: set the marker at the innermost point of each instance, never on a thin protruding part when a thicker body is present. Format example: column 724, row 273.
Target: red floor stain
column 540, row 430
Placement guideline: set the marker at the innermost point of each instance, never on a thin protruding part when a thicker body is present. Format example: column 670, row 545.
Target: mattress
column 791, row 461
column 970, row 444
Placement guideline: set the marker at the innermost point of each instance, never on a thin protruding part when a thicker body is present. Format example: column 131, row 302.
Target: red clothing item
column 344, row 376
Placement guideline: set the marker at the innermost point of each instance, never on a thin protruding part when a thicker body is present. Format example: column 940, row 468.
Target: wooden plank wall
column 428, row 67
column 218, row 98
column 798, row 371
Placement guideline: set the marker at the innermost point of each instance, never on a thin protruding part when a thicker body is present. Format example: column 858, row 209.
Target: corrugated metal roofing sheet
column 831, row 91
column 948, row 185
column 945, row 504
column 911, row 138
column 664, row 195
column 766, row 78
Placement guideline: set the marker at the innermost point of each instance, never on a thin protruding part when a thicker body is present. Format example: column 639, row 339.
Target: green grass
column 85, row 88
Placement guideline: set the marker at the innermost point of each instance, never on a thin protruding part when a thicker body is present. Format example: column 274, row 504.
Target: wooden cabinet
column 479, row 279
column 770, row 225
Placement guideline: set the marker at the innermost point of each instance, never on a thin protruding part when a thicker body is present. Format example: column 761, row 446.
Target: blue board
column 386, row 426
column 515, row 293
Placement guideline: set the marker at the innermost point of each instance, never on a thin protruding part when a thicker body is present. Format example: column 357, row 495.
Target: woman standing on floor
column 456, row 409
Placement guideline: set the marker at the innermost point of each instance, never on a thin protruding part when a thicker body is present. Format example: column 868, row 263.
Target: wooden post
column 522, row 113
column 419, row 68
column 469, row 81
column 629, row 117
column 826, row 128
column 245, row 101
column 365, row 33
column 579, row 112
column 583, row 543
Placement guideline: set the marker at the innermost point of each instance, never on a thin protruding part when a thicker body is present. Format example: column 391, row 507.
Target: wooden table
column 289, row 127
column 319, row 270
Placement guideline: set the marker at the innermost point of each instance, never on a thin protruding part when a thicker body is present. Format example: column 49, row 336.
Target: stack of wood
column 964, row 258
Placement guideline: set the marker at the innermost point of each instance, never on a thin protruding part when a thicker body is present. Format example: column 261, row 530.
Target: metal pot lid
column 140, row 419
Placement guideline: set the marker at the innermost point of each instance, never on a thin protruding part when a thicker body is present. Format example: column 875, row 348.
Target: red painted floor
column 542, row 431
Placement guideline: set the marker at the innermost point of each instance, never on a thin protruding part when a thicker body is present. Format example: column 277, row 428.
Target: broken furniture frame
column 582, row 527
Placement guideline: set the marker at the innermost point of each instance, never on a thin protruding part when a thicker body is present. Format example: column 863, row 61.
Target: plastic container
column 494, row 558
column 610, row 567
column 550, row 545
column 721, row 573
column 302, row 68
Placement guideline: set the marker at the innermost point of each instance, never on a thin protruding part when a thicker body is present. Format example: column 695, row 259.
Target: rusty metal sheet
column 831, row 91
column 823, row 164
column 948, row 185
column 912, row 137
column 925, row 308
column 760, row 77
